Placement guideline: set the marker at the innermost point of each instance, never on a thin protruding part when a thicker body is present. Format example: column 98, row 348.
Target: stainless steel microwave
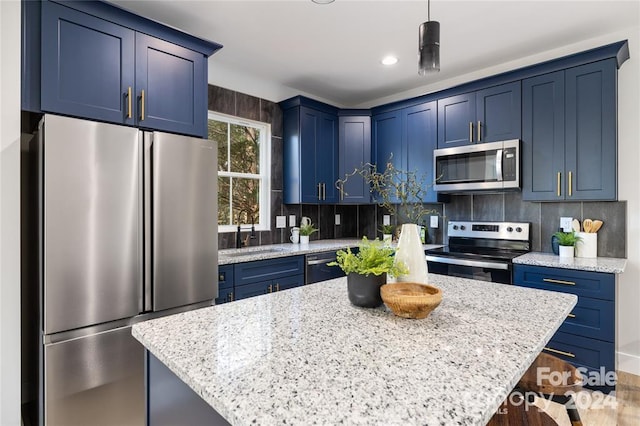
column 485, row 166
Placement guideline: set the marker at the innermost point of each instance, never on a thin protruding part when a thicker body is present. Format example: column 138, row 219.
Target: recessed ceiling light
column 389, row 60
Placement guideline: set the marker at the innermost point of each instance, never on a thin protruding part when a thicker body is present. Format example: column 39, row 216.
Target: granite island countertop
column 307, row 356
column 272, row 251
column 609, row 265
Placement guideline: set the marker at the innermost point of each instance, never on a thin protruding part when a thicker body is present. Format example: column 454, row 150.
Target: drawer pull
column 571, row 316
column 129, row 113
column 277, row 286
column 555, row 351
column 551, row 280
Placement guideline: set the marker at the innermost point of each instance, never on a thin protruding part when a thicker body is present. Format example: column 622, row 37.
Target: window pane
column 245, row 149
column 224, row 217
column 246, row 200
column 218, row 133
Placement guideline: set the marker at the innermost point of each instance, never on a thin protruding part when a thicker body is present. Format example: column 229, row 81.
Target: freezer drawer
column 95, row 380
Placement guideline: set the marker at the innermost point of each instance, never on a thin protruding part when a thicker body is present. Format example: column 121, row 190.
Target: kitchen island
column 307, row 356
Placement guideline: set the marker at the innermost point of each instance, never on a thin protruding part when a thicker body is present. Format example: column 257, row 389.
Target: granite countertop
column 610, row 265
column 307, row 356
column 272, row 251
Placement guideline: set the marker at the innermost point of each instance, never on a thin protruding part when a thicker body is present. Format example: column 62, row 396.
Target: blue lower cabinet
column 253, row 289
column 289, row 282
column 586, row 338
column 267, row 270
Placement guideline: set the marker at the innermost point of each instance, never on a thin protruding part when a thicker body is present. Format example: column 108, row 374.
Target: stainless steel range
column 480, row 250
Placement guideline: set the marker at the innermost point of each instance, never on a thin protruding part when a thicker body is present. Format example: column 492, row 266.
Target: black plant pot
column 364, row 291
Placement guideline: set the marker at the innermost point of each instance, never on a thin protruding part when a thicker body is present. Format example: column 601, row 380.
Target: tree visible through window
column 243, row 167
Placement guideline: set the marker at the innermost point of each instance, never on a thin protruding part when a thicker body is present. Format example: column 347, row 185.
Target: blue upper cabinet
column 121, row 68
column 498, row 113
column 174, row 84
column 354, row 142
column 569, row 134
column 88, row 67
column 485, row 115
column 543, row 137
column 407, row 138
column 456, row 115
column 591, row 119
column 310, row 152
column 387, row 141
column 420, row 139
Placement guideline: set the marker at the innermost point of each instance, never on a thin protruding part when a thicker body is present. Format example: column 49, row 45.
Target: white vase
column 566, row 251
column 304, row 239
column 410, row 252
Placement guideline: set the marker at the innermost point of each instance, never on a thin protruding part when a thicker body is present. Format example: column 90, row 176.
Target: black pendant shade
column 429, row 47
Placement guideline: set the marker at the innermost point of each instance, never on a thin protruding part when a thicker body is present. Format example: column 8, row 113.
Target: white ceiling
column 332, row 52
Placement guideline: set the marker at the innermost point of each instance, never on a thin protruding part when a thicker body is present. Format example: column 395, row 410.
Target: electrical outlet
column 337, row 219
column 434, row 221
column 565, row 224
column 386, row 219
column 292, row 220
column 281, row 221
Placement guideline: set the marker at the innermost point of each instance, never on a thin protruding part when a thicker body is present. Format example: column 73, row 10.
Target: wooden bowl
column 411, row 300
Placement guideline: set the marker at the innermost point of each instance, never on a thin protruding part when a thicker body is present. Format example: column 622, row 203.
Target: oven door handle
column 467, row 262
column 321, row 261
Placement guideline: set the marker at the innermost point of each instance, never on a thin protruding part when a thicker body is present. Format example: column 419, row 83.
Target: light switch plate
column 565, row 224
column 337, row 219
column 281, row 221
column 434, row 221
column 292, row 220
column 386, row 219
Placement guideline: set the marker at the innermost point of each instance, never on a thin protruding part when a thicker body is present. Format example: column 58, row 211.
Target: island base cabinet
column 170, row 401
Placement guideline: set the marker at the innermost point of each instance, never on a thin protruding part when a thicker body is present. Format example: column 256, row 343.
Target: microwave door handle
column 499, row 165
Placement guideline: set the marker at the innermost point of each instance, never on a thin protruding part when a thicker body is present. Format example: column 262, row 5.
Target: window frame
column 264, row 220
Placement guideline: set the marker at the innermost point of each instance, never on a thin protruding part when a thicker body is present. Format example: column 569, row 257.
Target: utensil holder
column 587, row 247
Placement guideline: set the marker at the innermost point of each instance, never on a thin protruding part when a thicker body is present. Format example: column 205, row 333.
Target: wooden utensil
column 586, row 225
column 597, row 224
column 575, row 224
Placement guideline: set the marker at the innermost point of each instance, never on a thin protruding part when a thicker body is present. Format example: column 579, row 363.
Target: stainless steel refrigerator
column 128, row 231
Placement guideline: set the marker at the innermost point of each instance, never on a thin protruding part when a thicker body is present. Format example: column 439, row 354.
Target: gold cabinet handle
column 558, row 179
column 142, row 105
column 551, row 280
column 571, row 316
column 479, row 131
column 230, row 297
column 471, row 131
column 270, row 288
column 277, row 286
column 555, row 351
column 570, row 184
column 129, row 111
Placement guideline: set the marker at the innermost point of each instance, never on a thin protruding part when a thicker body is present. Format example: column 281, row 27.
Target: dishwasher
column 316, row 268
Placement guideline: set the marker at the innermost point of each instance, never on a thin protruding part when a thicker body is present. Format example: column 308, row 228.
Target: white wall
column 9, row 213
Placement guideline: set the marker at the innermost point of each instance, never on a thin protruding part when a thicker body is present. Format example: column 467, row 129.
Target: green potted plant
column 367, row 271
column 567, row 242
column 305, row 231
column 387, row 233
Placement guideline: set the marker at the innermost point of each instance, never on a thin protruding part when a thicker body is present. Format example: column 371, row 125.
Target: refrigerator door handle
column 147, row 138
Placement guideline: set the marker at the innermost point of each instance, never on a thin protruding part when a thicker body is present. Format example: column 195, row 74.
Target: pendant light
column 429, row 45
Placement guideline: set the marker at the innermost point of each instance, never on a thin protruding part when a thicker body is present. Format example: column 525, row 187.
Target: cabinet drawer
column 592, row 318
column 595, row 285
column 581, row 351
column 264, row 270
column 289, row 282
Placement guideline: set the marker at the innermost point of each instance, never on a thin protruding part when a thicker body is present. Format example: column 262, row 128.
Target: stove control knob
column 455, row 227
column 509, row 229
column 518, row 229
column 462, row 227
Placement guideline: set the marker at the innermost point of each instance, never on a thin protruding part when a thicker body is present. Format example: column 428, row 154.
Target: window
column 243, row 171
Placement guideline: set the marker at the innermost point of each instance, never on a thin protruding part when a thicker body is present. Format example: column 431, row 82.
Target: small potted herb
column 387, row 233
column 367, row 271
column 567, row 242
column 305, row 231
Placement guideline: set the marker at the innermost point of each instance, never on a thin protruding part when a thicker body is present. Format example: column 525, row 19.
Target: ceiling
column 332, row 52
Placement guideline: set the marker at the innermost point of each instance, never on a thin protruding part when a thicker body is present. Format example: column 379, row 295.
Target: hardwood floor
column 621, row 410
